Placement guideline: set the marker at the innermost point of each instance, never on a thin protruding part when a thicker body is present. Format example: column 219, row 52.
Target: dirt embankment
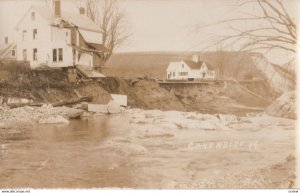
column 53, row 86
column 284, row 106
column 228, row 97
column 49, row 86
column 145, row 94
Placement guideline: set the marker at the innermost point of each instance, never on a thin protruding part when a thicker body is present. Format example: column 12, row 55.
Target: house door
column 25, row 55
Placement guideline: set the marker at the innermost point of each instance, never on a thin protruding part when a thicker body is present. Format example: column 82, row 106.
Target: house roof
column 197, row 65
column 91, row 37
column 175, row 65
column 4, row 49
column 194, row 65
column 191, row 64
column 81, row 21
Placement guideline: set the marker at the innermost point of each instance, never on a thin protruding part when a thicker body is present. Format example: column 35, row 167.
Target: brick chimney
column 57, row 9
column 82, row 10
column 196, row 58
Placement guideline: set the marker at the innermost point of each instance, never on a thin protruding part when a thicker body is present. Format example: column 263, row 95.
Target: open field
column 235, row 65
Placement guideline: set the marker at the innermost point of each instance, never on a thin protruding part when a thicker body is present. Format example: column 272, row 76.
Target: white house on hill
column 190, row 69
column 58, row 39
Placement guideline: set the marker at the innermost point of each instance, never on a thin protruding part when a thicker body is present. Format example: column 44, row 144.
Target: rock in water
column 97, row 108
column 284, row 106
column 54, row 120
column 227, row 119
column 113, row 107
column 74, row 114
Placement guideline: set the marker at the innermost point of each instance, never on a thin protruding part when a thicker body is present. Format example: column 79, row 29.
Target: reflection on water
column 64, row 156
column 109, row 151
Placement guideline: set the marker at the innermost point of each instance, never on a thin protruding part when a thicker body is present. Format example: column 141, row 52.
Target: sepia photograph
column 148, row 94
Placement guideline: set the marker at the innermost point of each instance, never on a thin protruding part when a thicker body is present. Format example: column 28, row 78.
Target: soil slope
column 53, row 86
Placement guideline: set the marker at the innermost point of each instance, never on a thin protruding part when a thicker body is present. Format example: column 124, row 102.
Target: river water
column 142, row 149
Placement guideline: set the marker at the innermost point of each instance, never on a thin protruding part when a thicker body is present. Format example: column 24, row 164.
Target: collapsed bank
column 35, row 88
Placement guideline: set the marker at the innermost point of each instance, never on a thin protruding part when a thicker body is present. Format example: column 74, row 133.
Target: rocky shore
column 28, row 115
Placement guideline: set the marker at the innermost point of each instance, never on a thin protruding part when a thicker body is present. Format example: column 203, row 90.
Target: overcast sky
column 154, row 25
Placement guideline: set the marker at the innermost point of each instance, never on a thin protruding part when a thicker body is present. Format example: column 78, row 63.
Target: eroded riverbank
column 53, row 86
column 205, row 136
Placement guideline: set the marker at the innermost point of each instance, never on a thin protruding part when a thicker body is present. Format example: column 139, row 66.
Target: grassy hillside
column 235, row 65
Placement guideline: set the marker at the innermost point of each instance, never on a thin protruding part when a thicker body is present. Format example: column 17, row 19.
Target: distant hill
column 237, row 65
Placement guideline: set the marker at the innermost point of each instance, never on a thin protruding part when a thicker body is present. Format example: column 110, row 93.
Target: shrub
column 14, row 66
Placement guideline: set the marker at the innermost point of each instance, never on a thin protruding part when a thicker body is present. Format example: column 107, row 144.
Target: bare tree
column 220, row 60
column 107, row 15
column 274, row 28
column 268, row 27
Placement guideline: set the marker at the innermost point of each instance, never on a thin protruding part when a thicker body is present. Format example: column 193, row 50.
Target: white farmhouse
column 189, row 69
column 58, row 39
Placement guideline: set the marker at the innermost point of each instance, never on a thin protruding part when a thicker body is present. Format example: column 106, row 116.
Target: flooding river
column 114, row 151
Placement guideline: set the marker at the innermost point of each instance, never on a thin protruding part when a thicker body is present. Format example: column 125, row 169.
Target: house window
column 60, row 54
column 34, row 54
column 34, row 33
column 67, row 34
column 182, row 66
column 32, row 16
column 182, row 73
column 54, row 54
column 13, row 53
column 173, row 73
column 6, row 40
column 25, row 55
column 24, row 35
column 57, row 55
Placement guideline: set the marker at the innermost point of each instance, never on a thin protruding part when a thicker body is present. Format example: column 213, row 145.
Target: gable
column 90, row 32
column 40, row 15
column 81, row 21
column 204, row 66
column 6, row 50
column 177, row 66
